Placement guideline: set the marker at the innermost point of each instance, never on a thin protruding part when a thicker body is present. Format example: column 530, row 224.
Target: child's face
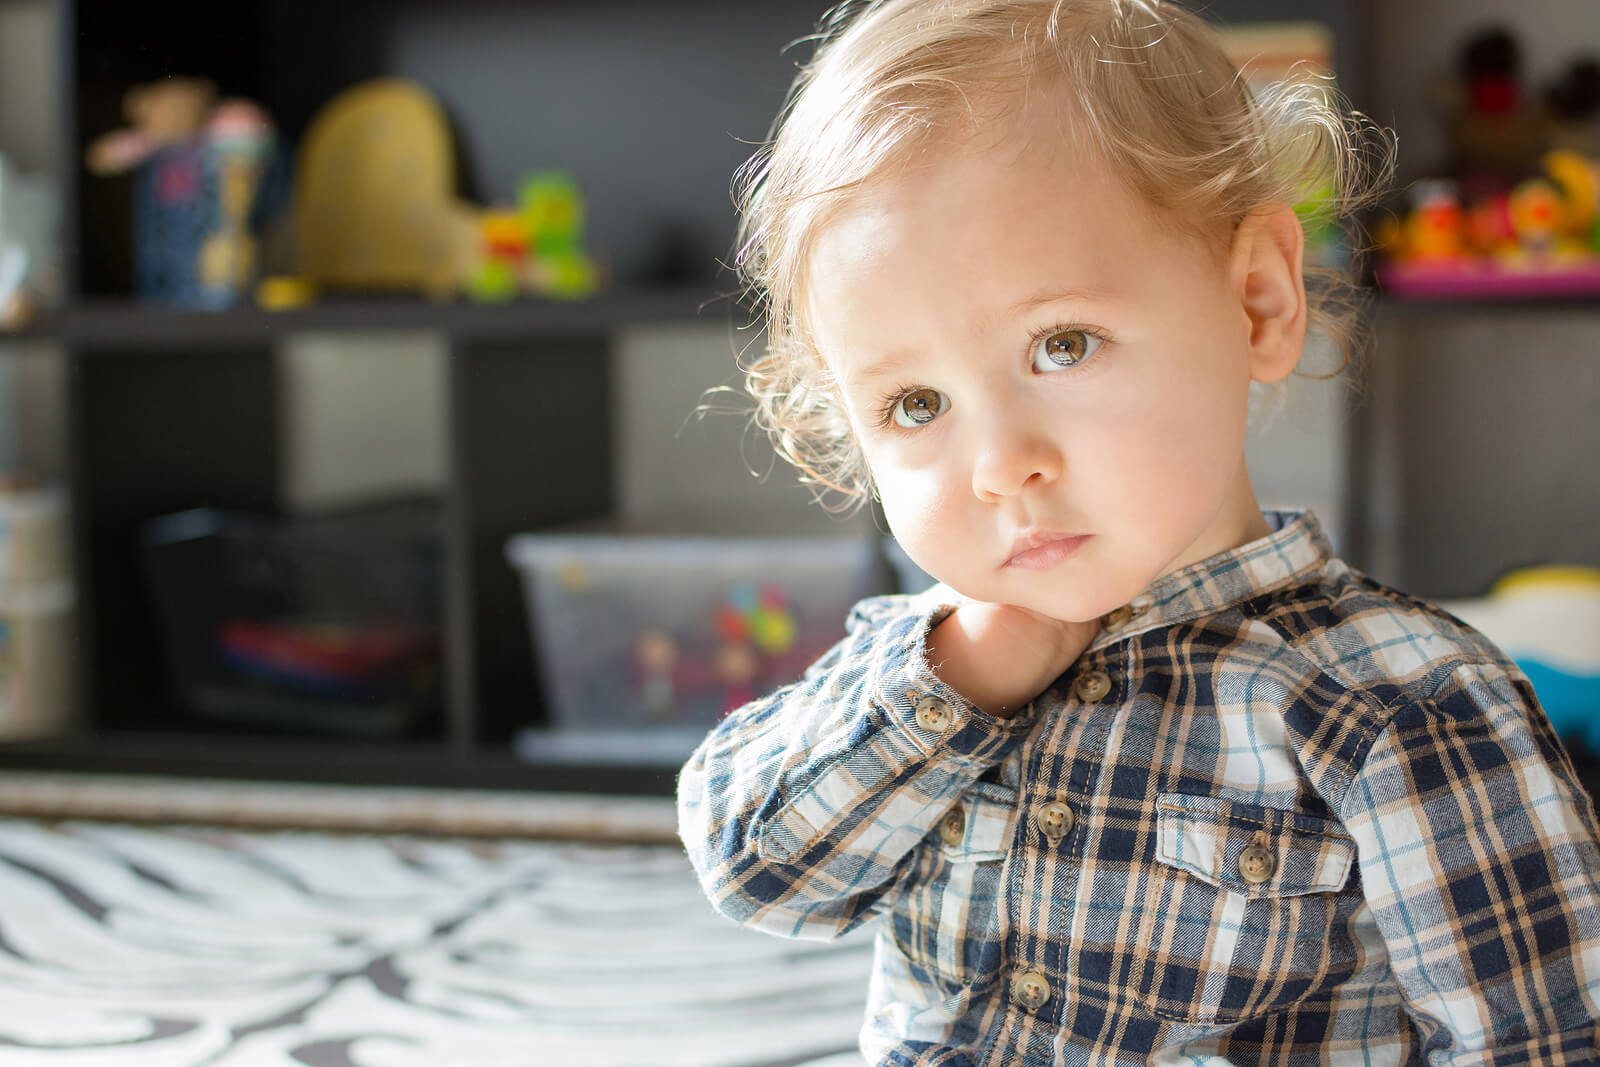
column 1027, row 350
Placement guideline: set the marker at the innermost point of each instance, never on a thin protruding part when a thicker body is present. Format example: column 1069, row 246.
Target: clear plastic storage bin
column 643, row 642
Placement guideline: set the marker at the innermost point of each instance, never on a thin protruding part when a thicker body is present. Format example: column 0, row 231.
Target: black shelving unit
column 651, row 106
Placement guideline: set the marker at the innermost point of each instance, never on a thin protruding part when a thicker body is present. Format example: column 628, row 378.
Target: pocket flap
column 1208, row 836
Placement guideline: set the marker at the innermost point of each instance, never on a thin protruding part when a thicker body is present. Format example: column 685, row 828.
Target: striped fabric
column 187, row 946
column 1284, row 814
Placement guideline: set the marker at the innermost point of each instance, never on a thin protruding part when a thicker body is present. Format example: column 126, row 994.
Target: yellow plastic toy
column 375, row 194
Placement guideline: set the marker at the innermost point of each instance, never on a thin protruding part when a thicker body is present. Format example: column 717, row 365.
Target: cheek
column 1181, row 430
column 916, row 505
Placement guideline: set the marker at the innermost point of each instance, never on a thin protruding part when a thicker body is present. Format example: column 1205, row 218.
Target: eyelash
column 1090, row 331
column 886, row 403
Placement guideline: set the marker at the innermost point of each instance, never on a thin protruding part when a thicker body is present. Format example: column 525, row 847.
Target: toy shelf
column 1474, row 282
column 109, row 325
column 418, row 763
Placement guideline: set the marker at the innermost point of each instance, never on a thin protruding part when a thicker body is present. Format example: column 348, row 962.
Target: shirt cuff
column 935, row 718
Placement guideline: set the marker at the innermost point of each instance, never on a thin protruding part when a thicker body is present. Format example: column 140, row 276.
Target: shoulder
column 1371, row 638
column 1371, row 657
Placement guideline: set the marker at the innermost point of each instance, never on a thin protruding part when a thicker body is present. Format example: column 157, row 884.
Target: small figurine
column 736, row 669
column 1433, row 229
column 1489, row 227
column 656, row 655
column 1490, row 131
column 1571, row 107
column 241, row 138
column 200, row 170
column 1578, row 178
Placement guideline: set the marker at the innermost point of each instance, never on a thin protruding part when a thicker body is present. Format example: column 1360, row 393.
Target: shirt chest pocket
column 1244, row 912
column 948, row 923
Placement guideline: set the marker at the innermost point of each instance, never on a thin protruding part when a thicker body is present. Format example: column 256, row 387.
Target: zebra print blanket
column 129, row 946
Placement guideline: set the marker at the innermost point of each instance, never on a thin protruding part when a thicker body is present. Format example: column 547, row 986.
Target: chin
column 1069, row 607
column 1074, row 603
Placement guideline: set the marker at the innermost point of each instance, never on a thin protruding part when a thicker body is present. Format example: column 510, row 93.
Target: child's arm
column 800, row 810
column 1478, row 857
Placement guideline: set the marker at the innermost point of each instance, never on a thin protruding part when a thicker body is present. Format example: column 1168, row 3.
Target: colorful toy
column 754, row 634
column 537, row 248
column 1548, row 620
column 358, row 663
column 1434, row 229
column 1578, row 178
column 206, row 174
column 1537, row 237
column 1543, row 225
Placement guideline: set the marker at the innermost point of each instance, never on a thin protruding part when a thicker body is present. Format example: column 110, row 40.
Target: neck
column 1239, row 521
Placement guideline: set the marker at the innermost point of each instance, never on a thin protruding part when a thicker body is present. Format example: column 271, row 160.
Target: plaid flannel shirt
column 1276, row 813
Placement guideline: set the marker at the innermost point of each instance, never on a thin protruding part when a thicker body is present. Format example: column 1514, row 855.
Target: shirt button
column 1118, row 619
column 933, row 714
column 1030, row 989
column 1256, row 864
column 1092, row 686
column 1054, row 820
column 953, row 827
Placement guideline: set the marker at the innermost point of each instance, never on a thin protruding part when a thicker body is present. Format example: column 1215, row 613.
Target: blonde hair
column 1148, row 87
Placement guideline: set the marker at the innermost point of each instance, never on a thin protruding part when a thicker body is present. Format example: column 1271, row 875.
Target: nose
column 1012, row 455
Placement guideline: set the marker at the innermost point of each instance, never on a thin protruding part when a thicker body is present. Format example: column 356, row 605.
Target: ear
column 1265, row 271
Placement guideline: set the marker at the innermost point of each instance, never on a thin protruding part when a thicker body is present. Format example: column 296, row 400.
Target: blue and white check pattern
column 1310, row 820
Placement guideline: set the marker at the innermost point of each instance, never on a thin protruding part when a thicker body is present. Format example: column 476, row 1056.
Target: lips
column 1043, row 549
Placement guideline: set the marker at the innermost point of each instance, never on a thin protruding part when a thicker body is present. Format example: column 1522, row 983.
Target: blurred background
column 353, row 355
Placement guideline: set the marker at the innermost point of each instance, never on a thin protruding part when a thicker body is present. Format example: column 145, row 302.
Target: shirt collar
column 1297, row 547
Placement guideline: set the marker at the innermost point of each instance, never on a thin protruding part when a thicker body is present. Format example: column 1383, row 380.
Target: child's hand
column 1000, row 656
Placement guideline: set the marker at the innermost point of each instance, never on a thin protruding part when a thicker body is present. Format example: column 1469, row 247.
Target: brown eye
column 1064, row 348
column 919, row 407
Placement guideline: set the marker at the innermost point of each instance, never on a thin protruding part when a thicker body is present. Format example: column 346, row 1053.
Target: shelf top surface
column 116, row 324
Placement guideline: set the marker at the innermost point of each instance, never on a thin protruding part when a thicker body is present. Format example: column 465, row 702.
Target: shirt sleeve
column 800, row 809
column 1477, row 850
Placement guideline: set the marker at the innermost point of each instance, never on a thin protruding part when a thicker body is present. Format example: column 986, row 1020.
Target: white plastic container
column 643, row 642
column 37, row 698
column 33, row 537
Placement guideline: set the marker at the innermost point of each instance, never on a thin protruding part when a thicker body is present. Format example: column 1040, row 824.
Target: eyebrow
column 890, row 363
column 887, row 366
column 1056, row 296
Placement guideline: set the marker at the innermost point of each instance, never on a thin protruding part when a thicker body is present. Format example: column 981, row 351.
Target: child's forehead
column 1007, row 185
column 1017, row 182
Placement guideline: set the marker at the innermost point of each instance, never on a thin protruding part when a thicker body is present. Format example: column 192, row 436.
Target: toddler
column 1150, row 776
